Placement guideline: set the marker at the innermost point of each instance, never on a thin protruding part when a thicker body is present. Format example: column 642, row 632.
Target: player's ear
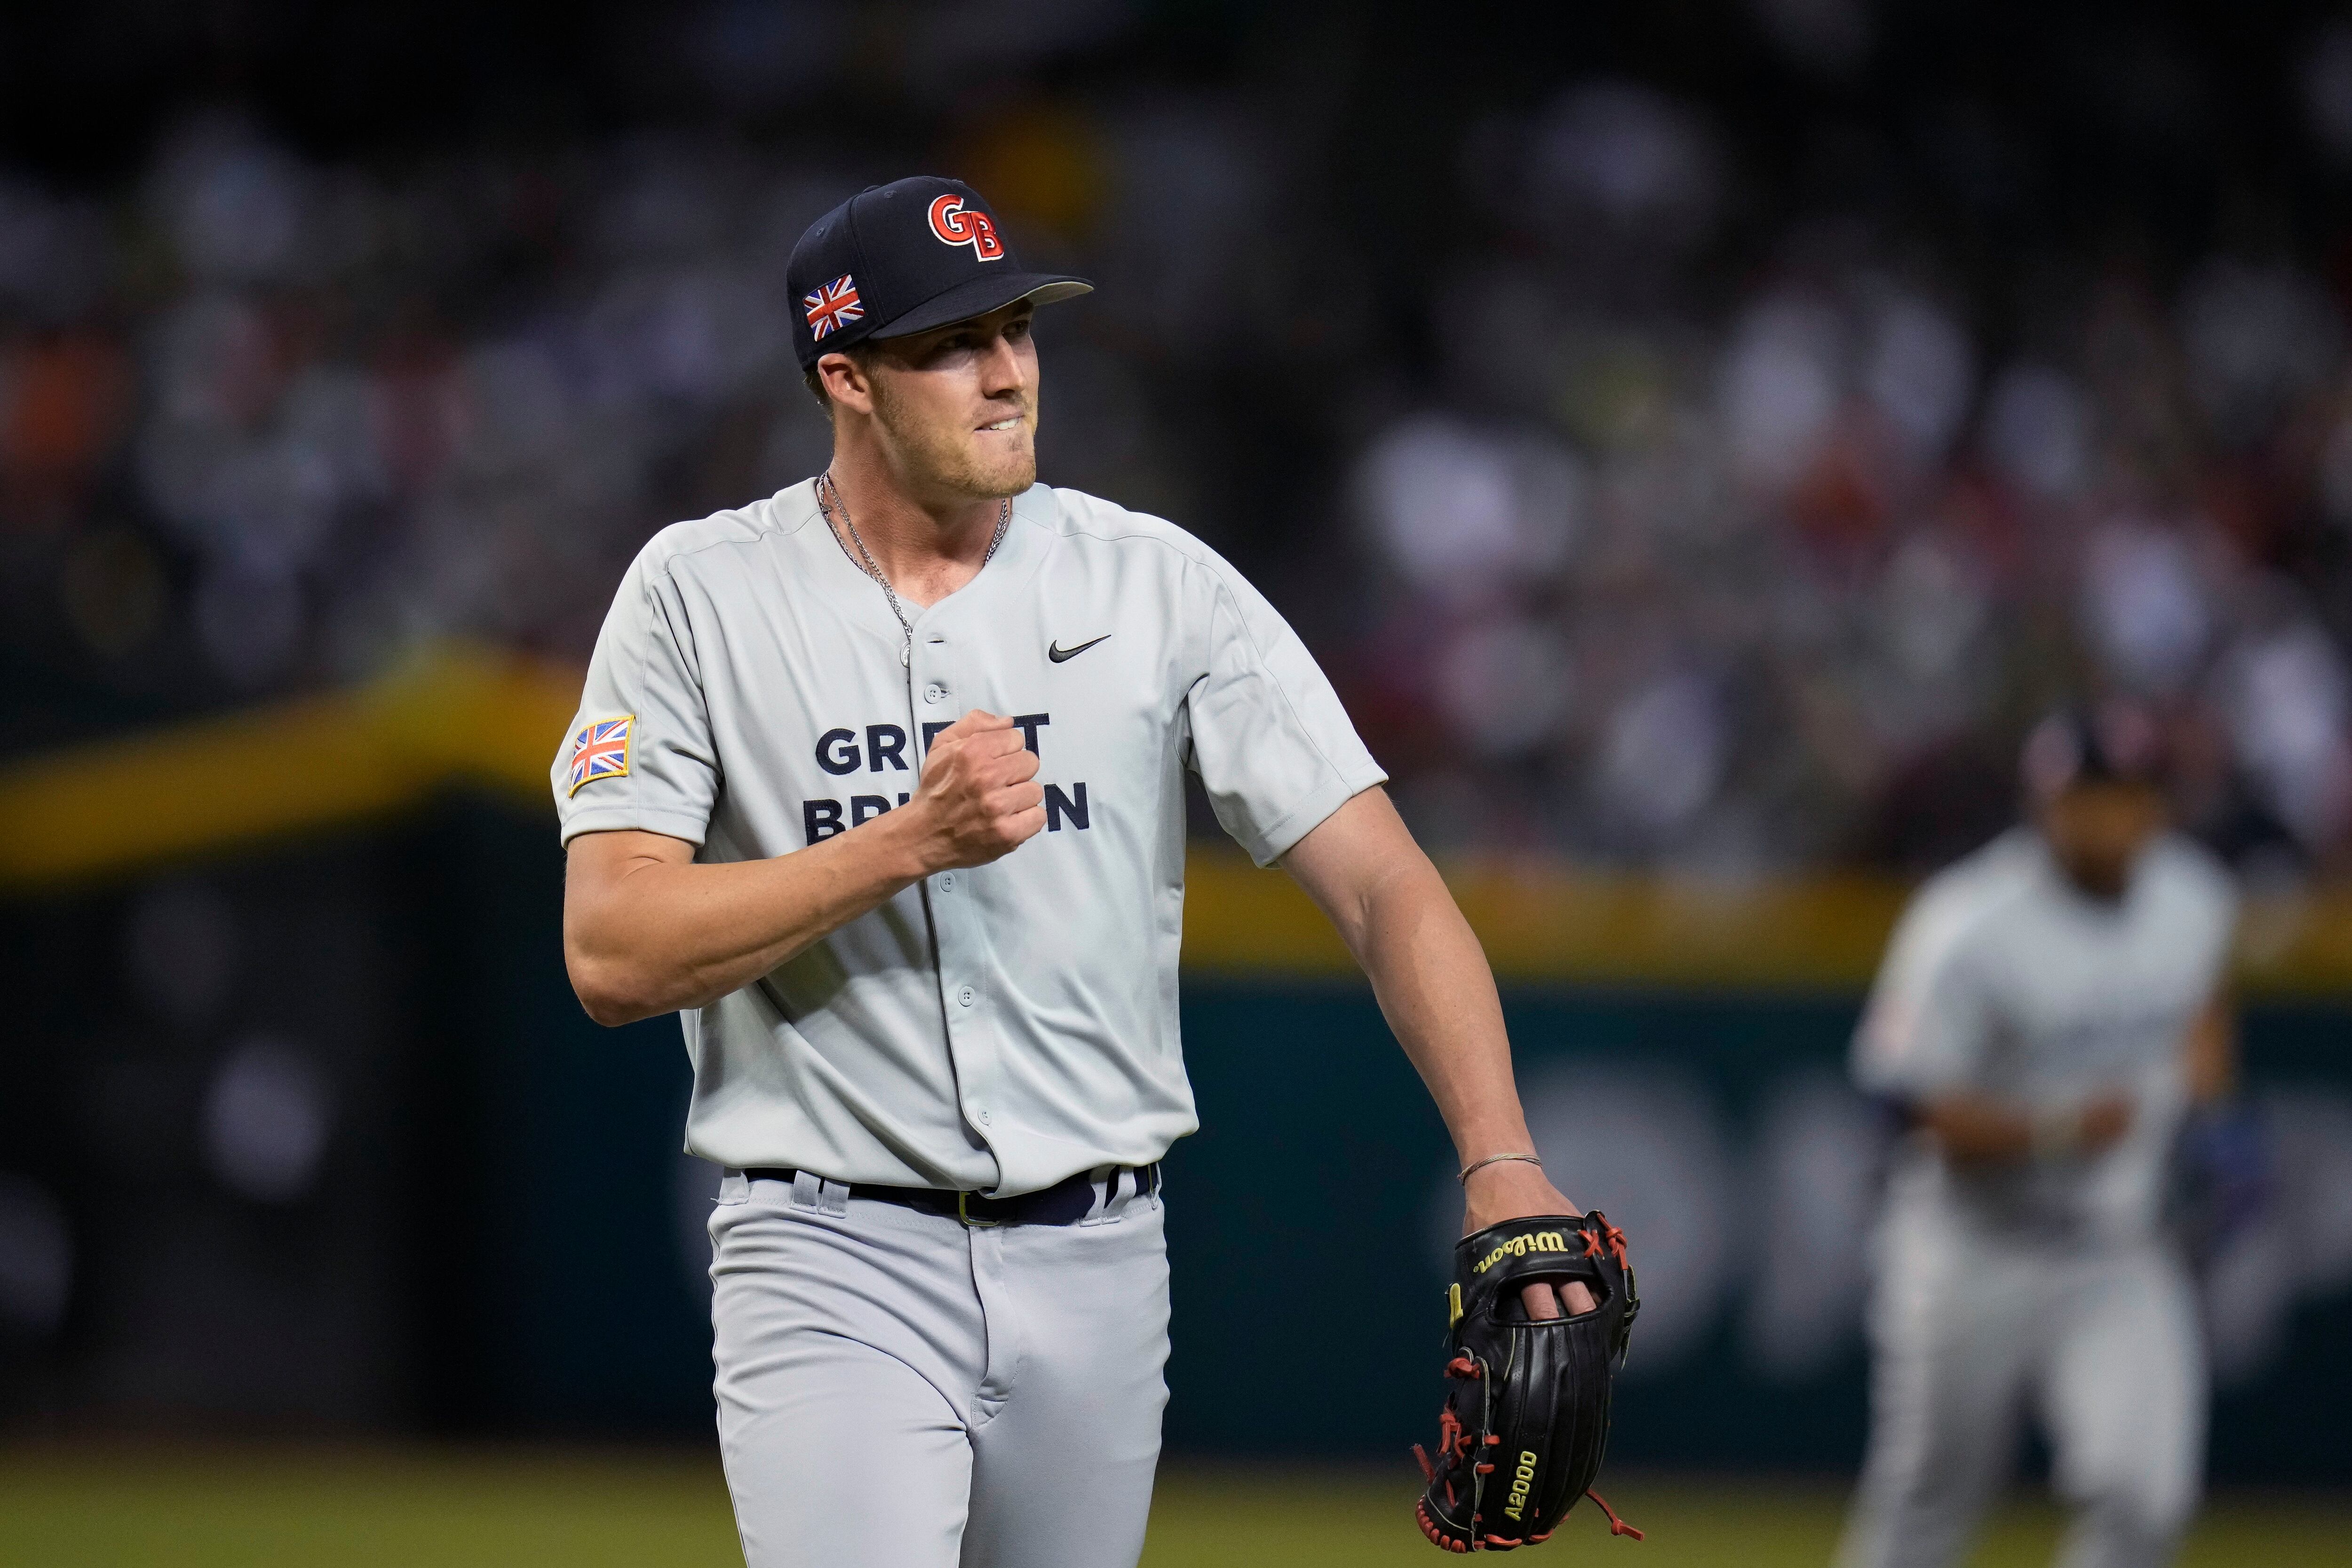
column 846, row 380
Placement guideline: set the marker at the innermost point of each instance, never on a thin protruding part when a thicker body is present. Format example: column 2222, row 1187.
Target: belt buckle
column 963, row 1213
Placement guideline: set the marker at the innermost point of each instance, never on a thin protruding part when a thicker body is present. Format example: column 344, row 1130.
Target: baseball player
column 2047, row 1014
column 878, row 784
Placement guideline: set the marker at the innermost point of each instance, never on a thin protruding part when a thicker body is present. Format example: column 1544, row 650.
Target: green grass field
column 281, row 1508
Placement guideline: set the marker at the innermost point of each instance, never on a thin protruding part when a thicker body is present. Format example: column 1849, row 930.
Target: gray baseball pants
column 898, row 1390
column 1969, row 1337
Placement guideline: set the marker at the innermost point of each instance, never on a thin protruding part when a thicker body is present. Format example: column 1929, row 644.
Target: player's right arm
column 1981, row 1130
column 646, row 930
column 1978, row 1130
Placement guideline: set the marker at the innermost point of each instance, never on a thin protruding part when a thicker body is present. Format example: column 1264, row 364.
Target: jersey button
column 980, row 1114
column 934, row 692
column 947, row 880
column 967, row 996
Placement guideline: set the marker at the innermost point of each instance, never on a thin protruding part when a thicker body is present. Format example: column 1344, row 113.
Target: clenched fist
column 979, row 798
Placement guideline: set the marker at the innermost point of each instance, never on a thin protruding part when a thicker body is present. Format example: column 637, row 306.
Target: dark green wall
column 1303, row 1217
column 1299, row 1217
column 515, row 1173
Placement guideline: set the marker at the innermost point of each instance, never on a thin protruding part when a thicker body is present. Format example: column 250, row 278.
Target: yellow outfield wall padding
column 1551, row 922
column 1561, row 924
column 212, row 784
column 474, row 714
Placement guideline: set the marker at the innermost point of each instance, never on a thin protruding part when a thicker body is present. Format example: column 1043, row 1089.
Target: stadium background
column 1699, row 439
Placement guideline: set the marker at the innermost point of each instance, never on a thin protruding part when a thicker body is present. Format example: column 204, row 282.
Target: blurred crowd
column 1632, row 534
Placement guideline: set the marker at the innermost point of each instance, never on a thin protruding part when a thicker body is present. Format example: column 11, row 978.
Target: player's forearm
column 1437, row 992
column 2210, row 1058
column 1976, row 1130
column 658, row 936
column 1427, row 970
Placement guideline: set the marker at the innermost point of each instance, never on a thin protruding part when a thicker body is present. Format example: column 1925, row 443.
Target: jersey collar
column 860, row 600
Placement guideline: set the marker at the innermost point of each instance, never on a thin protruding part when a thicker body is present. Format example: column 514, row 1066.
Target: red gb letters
column 956, row 224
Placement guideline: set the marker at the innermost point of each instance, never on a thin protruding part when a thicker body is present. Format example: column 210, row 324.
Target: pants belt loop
column 1116, row 1189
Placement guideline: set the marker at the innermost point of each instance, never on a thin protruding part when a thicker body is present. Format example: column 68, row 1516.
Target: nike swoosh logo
column 1057, row 653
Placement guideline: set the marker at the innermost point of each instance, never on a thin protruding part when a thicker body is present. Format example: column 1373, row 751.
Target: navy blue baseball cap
column 2117, row 743
column 904, row 257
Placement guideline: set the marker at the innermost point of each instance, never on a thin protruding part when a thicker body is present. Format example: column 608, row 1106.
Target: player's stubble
column 947, row 455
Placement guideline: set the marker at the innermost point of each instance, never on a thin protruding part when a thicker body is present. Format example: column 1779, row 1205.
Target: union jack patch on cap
column 834, row 305
column 601, row 751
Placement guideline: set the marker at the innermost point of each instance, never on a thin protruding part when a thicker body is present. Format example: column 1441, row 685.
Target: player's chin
column 1003, row 465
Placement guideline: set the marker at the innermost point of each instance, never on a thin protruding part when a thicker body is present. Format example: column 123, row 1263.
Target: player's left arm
column 1361, row 866
column 2211, row 1052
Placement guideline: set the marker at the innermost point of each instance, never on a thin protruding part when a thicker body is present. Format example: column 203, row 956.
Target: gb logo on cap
column 956, row 224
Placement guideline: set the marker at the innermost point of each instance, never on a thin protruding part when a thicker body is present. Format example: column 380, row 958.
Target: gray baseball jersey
column 2003, row 979
column 992, row 1029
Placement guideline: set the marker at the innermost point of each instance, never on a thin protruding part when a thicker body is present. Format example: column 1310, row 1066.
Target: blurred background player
column 2047, row 1014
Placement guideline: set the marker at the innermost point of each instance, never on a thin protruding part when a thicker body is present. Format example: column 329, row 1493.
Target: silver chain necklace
column 829, row 502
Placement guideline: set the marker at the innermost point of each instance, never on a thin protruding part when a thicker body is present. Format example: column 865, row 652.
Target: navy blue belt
column 1066, row 1202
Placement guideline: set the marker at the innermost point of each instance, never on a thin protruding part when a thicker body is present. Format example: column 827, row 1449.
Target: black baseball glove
column 1527, row 1415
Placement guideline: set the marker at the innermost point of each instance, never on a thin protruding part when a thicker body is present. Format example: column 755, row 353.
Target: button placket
column 972, row 1050
column 968, row 1045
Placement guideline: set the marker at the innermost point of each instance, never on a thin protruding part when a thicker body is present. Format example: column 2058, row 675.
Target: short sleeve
column 1929, row 1019
column 639, row 753
column 1273, row 746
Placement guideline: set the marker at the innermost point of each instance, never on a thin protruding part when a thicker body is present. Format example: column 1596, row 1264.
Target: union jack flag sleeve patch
column 601, row 751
